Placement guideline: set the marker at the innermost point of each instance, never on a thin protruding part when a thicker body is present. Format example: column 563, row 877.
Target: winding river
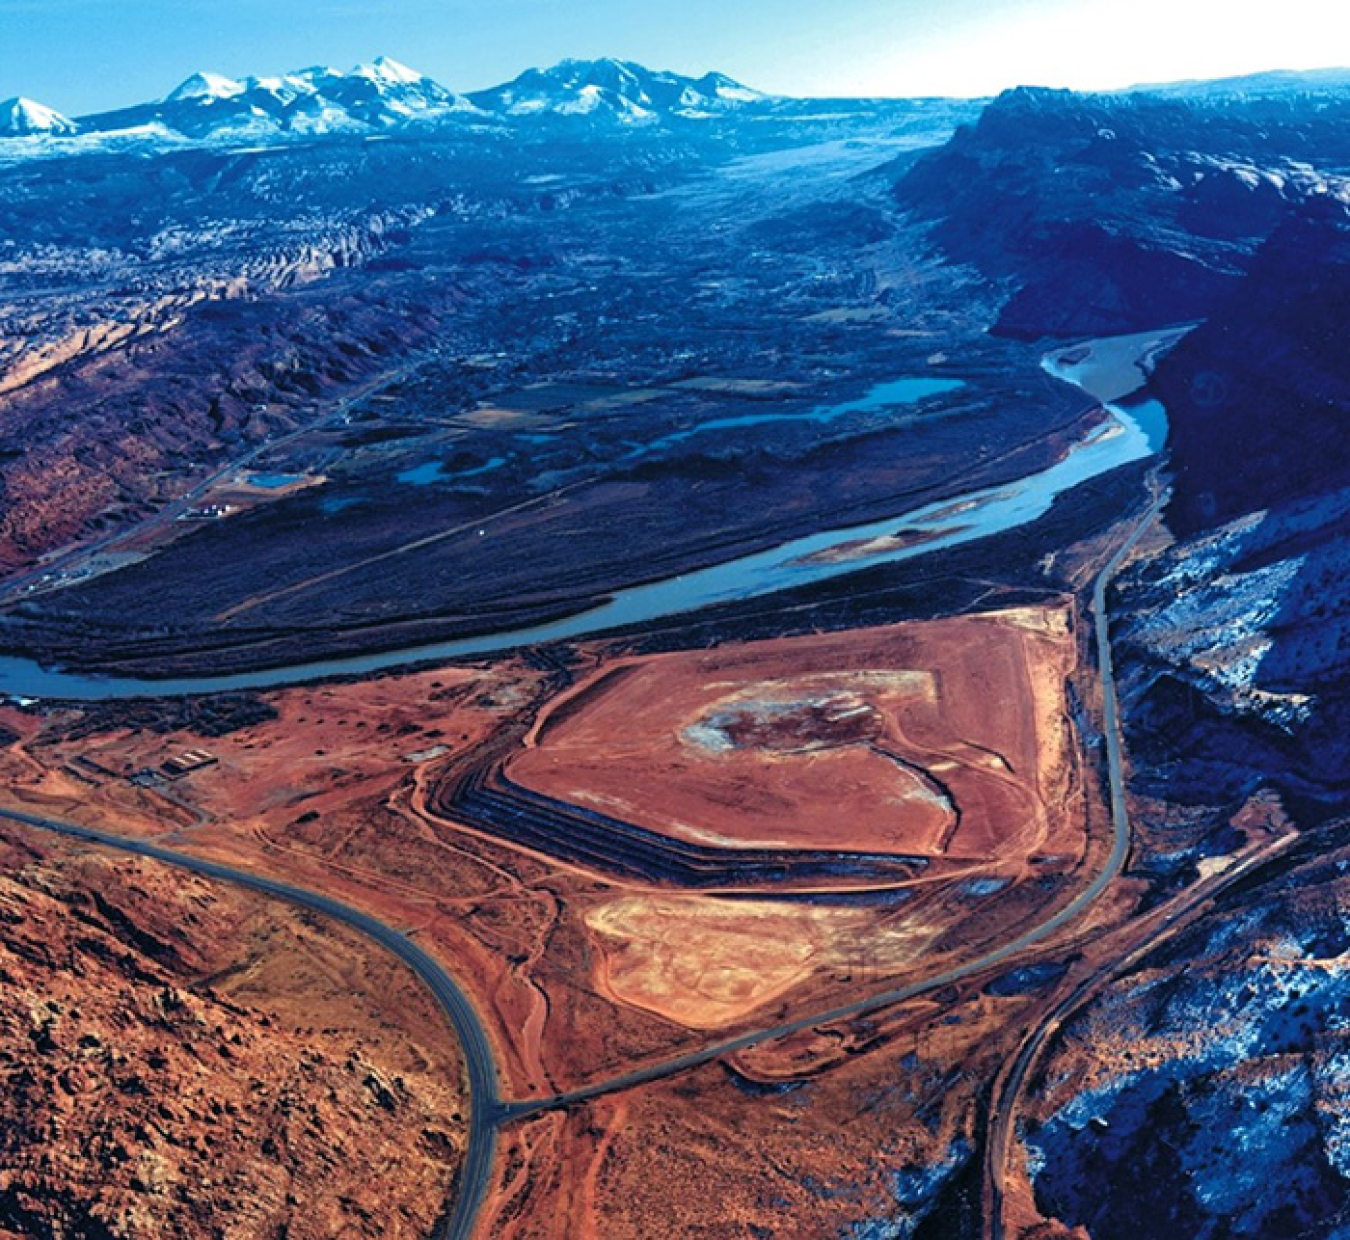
column 1109, row 370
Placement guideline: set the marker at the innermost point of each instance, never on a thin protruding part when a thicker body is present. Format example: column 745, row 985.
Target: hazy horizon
column 65, row 53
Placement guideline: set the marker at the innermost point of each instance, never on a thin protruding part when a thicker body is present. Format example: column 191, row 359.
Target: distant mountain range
column 1275, row 84
column 379, row 95
column 386, row 95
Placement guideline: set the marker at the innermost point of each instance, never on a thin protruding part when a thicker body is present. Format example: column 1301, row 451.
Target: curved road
column 1115, row 862
column 1161, row 923
column 1120, row 818
column 486, row 1111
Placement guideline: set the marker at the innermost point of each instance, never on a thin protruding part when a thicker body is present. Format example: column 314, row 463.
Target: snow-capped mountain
column 23, row 117
column 385, row 95
column 205, row 87
column 379, row 95
column 614, row 89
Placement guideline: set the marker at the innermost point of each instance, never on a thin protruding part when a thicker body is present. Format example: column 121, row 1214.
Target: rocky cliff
column 179, row 1061
column 1108, row 214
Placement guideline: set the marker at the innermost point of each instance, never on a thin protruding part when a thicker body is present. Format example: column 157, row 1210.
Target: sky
column 81, row 56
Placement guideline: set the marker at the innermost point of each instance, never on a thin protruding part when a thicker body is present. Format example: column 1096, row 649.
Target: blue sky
column 84, row 55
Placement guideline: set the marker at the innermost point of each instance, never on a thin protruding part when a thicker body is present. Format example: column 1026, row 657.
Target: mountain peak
column 384, row 94
column 389, row 71
column 205, row 87
column 729, row 89
column 21, row 117
column 573, row 64
column 616, row 89
column 381, row 94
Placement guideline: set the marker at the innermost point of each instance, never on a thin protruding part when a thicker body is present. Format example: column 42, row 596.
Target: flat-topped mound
column 941, row 738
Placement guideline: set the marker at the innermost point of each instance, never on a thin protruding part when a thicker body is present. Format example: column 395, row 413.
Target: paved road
column 1164, row 922
column 489, row 1112
column 1120, row 816
column 1120, row 825
column 486, row 1111
column 1115, row 862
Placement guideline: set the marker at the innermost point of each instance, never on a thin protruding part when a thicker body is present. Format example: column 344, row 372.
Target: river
column 1109, row 370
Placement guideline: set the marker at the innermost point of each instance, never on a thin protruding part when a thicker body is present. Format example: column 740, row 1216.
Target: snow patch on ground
column 916, row 1190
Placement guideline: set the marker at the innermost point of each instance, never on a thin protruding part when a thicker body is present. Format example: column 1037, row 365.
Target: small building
column 186, row 762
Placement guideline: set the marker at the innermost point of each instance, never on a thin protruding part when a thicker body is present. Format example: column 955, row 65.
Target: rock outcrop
column 159, row 1081
column 1108, row 214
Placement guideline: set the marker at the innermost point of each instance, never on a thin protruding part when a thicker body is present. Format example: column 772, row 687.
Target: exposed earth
column 709, row 665
column 178, row 1059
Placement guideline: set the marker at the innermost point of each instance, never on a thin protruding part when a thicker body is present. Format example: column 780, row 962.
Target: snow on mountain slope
column 729, row 89
column 24, row 117
column 206, row 86
column 614, row 89
column 378, row 95
column 389, row 73
column 385, row 94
